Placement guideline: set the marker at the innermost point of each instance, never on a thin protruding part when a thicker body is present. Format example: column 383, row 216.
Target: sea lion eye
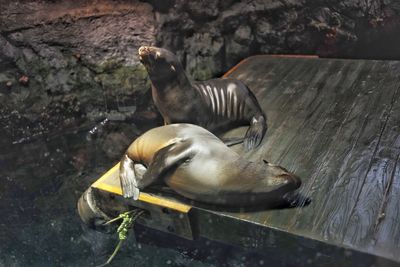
column 173, row 68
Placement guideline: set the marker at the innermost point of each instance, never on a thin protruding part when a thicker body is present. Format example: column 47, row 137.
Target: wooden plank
column 283, row 125
column 333, row 140
column 363, row 131
column 387, row 229
column 278, row 136
column 377, row 213
column 315, row 120
column 328, row 130
column 109, row 182
column 379, row 172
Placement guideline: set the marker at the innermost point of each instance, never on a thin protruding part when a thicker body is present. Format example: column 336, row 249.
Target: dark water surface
column 41, row 181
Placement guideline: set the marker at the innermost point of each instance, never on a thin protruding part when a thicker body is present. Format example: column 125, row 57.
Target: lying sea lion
column 197, row 165
column 217, row 104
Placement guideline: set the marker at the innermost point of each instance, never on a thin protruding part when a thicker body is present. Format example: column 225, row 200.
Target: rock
column 202, row 10
column 243, row 35
column 7, row 50
column 24, row 80
column 77, row 56
column 343, row 29
column 263, row 29
column 115, row 144
column 235, row 51
column 201, row 60
column 116, row 116
column 39, row 40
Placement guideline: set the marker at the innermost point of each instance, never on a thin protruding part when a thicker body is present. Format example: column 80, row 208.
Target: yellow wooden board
column 109, row 182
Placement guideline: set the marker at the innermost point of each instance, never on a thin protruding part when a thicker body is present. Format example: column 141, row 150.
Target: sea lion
column 216, row 104
column 197, row 165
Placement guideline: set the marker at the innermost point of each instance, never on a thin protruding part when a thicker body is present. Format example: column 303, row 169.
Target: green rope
column 128, row 219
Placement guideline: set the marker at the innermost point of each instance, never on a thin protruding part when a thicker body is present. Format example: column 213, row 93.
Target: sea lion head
column 277, row 181
column 282, row 186
column 161, row 64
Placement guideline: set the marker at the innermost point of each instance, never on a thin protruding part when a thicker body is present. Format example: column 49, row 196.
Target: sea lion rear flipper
column 255, row 133
column 166, row 160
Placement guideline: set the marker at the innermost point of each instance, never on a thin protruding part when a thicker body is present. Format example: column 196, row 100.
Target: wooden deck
column 335, row 123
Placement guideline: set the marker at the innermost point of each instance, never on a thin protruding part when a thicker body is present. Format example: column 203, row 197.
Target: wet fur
column 197, row 165
column 216, row 104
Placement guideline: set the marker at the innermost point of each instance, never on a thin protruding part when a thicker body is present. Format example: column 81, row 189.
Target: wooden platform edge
column 300, row 250
column 231, row 70
column 109, row 182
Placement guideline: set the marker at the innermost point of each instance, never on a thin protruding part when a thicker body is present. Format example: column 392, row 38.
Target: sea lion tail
column 256, row 132
column 128, row 178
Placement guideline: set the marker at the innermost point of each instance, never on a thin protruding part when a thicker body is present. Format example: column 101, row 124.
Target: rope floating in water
column 128, row 219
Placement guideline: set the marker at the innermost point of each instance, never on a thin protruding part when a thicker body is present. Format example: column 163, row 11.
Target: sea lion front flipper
column 166, row 160
column 295, row 199
column 255, row 133
column 129, row 174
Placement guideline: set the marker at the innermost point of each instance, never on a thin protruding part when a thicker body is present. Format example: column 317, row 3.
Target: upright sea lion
column 199, row 166
column 217, row 104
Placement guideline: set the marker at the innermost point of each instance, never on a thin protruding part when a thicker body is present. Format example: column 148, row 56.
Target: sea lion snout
column 154, row 52
column 291, row 180
column 147, row 54
column 277, row 181
column 144, row 50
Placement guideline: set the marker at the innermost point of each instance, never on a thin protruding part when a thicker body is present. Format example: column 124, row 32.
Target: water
column 42, row 178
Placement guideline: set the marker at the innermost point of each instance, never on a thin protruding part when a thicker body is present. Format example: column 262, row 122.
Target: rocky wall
column 64, row 63
column 68, row 63
column 212, row 36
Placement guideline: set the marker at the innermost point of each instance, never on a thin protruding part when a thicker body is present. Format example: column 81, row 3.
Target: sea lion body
column 216, row 104
column 197, row 165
